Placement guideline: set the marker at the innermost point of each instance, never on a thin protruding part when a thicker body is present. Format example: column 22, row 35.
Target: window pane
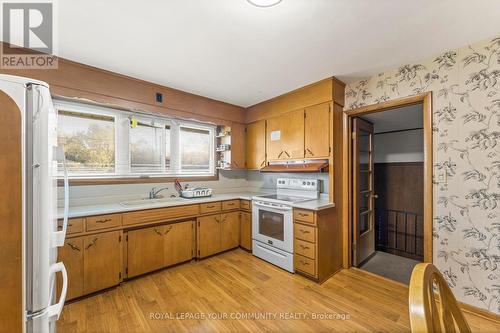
column 89, row 142
column 195, row 149
column 145, row 148
column 167, row 147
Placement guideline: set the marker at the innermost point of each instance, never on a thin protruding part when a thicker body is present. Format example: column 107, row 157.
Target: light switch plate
column 440, row 176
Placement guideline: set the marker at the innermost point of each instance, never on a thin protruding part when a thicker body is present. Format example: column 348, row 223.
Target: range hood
column 297, row 166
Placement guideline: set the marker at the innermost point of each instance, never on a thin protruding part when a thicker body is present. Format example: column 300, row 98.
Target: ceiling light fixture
column 264, row 3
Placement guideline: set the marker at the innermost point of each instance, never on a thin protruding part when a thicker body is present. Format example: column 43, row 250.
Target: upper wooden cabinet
column 256, row 145
column 317, row 131
column 238, row 146
column 285, row 136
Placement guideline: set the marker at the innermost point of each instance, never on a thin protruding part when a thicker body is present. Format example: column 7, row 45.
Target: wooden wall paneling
column 11, row 307
column 316, row 93
column 76, row 80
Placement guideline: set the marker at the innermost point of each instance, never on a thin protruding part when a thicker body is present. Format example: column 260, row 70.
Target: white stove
column 272, row 220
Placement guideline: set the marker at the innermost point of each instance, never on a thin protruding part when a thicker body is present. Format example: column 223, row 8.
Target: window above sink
column 105, row 143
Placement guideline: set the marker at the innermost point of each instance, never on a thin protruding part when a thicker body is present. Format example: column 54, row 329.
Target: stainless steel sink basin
column 147, row 201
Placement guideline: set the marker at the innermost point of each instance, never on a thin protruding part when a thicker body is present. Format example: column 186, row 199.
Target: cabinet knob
column 73, row 247
column 91, row 244
column 157, row 232
column 168, row 230
column 103, row 221
column 309, row 151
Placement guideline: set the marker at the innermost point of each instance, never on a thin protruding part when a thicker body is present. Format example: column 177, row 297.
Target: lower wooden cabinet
column 246, row 230
column 156, row 247
column 93, row 263
column 71, row 254
column 217, row 233
column 102, row 261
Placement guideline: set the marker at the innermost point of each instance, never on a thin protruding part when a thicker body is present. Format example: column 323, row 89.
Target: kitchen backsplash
column 229, row 181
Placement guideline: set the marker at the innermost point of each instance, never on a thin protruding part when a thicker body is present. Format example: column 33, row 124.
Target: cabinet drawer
column 75, row 225
column 210, row 207
column 304, row 232
column 161, row 214
column 305, row 249
column 231, row 204
column 304, row 264
column 304, row 216
column 245, row 205
column 104, row 221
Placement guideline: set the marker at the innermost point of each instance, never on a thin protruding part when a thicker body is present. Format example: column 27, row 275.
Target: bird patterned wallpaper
column 465, row 84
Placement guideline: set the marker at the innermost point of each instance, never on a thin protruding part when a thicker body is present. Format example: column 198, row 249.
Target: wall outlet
column 440, row 176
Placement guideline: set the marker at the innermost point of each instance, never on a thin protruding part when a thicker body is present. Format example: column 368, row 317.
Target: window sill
column 136, row 180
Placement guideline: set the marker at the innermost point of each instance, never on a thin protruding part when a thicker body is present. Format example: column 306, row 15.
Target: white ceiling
column 407, row 117
column 235, row 52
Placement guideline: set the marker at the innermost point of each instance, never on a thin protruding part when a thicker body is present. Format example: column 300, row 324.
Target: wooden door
column 256, row 145
column 209, row 236
column 102, row 261
column 274, row 138
column 238, row 146
column 178, row 240
column 71, row 254
column 145, row 250
column 363, row 196
column 293, row 135
column 246, row 230
column 230, row 230
column 317, row 131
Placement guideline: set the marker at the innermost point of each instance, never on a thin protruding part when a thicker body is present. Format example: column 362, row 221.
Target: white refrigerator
column 41, row 237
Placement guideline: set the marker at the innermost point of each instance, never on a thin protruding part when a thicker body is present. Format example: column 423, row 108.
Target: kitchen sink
column 147, row 201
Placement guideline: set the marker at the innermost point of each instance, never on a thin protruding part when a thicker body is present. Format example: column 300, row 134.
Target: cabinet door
column 274, row 138
column 178, row 242
column 246, row 230
column 230, row 230
column 71, row 254
column 256, row 145
column 293, row 135
column 145, row 250
column 208, row 232
column 238, row 146
column 317, row 131
column 102, row 261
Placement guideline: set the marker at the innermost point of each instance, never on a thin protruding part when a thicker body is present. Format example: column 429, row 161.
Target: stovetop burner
column 286, row 198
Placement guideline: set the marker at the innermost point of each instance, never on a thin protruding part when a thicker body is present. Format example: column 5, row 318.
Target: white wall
column 407, row 146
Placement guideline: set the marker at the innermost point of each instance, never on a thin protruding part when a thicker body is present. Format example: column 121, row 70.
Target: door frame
column 426, row 100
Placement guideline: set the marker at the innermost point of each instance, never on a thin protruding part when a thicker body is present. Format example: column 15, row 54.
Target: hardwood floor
column 237, row 284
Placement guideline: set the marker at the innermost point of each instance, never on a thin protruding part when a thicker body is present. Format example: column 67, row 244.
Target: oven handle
column 284, row 208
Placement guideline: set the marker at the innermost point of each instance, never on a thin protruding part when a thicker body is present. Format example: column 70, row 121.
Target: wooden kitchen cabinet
column 71, row 254
column 246, row 230
column 102, row 262
column 209, row 235
column 238, row 146
column 178, row 242
column 285, row 136
column 230, row 230
column 317, row 131
column 153, row 248
column 145, row 250
column 256, row 145
column 217, row 233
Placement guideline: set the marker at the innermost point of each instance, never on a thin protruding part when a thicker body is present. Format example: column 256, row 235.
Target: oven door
column 272, row 224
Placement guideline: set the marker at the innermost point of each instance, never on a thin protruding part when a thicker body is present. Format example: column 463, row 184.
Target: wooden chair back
column 427, row 315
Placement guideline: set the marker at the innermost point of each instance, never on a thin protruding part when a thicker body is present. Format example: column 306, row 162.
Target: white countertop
column 109, row 208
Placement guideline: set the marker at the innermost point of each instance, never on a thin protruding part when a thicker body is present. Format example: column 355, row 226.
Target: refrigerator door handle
column 60, row 236
column 56, row 309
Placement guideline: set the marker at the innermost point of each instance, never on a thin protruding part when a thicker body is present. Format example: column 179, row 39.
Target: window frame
column 123, row 173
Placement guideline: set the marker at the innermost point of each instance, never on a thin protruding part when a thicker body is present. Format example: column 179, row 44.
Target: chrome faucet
column 153, row 194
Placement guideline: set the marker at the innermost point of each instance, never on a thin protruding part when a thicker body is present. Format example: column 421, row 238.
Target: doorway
column 390, row 186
